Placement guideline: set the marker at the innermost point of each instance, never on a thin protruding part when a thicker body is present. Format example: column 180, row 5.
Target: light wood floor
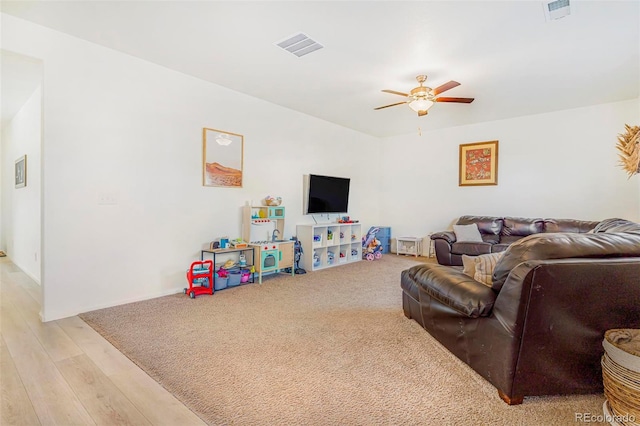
column 64, row 373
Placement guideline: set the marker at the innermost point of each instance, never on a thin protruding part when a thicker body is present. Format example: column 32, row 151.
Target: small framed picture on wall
column 21, row 172
column 478, row 164
column 222, row 158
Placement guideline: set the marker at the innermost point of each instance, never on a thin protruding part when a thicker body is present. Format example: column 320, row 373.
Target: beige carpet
column 327, row 348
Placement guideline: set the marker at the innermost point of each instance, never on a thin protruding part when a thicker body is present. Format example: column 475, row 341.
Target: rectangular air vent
column 556, row 9
column 299, row 45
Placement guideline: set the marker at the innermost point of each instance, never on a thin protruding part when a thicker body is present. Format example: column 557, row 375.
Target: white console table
column 409, row 245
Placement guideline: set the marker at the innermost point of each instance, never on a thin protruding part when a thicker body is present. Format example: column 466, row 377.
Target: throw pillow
column 469, row 265
column 485, row 264
column 467, row 233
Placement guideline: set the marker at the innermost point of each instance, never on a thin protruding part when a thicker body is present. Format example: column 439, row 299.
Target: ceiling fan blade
column 421, row 113
column 387, row 106
column 444, row 87
column 458, row 100
column 395, row 93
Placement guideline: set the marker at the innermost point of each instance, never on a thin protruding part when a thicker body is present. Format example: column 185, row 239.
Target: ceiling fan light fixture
column 421, row 98
column 420, row 104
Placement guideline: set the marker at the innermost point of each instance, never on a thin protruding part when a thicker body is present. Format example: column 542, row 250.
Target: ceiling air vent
column 300, row 45
column 556, row 9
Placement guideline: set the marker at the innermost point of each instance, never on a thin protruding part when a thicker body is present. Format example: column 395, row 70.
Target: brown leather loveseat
column 537, row 329
column 497, row 234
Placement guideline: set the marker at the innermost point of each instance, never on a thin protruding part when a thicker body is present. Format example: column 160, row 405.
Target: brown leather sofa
column 497, row 234
column 538, row 329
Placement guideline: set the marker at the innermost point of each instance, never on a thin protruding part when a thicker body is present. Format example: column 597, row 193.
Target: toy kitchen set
column 263, row 227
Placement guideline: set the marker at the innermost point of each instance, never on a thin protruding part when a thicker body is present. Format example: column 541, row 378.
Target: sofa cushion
column 490, row 238
column 453, row 288
column 520, row 226
column 484, row 266
column 486, row 224
column 565, row 245
column 467, row 233
column 568, row 225
column 499, row 247
column 472, row 249
column 510, row 239
column 617, row 225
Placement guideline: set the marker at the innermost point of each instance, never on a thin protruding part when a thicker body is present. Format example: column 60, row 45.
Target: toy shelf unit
column 237, row 268
column 329, row 244
column 409, row 245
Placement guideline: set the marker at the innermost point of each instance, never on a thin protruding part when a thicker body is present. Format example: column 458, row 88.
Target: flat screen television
column 326, row 194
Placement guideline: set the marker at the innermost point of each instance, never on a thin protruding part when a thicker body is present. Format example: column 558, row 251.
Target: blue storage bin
column 221, row 283
column 385, row 242
column 384, row 232
column 234, row 278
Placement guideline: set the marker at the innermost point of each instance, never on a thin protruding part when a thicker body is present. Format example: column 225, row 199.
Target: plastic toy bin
column 234, row 278
column 221, row 282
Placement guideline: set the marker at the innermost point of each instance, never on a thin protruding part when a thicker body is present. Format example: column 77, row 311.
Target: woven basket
column 621, row 375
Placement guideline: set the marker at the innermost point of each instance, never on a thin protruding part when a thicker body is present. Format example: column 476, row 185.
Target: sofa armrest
column 452, row 288
column 558, row 335
column 449, row 236
column 443, row 251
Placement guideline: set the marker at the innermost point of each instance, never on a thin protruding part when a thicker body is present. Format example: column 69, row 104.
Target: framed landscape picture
column 479, row 164
column 21, row 172
column 222, row 158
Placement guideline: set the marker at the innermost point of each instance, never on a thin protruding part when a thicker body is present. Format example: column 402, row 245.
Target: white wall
column 561, row 164
column 21, row 207
column 117, row 125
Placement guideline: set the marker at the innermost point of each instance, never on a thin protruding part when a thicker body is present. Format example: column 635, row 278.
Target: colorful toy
column 223, row 273
column 297, row 247
column 272, row 201
column 200, row 278
column 371, row 246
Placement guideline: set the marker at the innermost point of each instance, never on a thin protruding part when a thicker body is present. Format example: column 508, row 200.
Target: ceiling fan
column 421, row 98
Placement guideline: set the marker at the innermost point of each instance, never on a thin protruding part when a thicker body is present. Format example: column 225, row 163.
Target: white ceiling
column 503, row 53
column 21, row 76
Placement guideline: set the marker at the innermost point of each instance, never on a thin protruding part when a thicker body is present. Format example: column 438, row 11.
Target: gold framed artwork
column 478, row 164
column 21, row 172
column 222, row 158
